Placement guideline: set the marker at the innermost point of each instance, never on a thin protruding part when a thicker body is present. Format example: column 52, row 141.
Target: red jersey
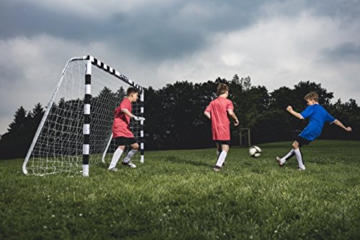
column 220, row 123
column 121, row 123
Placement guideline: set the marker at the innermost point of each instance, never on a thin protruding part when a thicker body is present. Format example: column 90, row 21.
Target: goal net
column 77, row 123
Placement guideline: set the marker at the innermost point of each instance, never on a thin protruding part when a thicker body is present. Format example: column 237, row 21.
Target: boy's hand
column 349, row 129
column 139, row 118
column 236, row 122
column 289, row 108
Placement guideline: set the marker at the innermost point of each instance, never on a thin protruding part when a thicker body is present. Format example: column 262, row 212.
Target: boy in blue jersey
column 317, row 117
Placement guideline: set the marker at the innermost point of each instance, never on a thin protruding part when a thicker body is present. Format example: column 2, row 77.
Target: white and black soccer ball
column 255, row 151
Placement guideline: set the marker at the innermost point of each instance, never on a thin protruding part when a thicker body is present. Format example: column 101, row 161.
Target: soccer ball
column 255, row 151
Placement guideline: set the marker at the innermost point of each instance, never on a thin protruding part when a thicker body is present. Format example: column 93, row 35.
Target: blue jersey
column 317, row 116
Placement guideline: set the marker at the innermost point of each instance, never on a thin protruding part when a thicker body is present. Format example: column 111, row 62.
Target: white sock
column 221, row 159
column 299, row 158
column 287, row 156
column 129, row 155
column 115, row 158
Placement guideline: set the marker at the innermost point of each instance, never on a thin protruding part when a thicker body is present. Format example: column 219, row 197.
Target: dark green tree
column 35, row 117
column 15, row 142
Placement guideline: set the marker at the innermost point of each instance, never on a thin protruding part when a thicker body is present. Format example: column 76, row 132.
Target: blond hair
column 222, row 88
column 312, row 96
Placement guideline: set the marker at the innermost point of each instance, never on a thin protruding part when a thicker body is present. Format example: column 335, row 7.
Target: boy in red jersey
column 121, row 131
column 217, row 112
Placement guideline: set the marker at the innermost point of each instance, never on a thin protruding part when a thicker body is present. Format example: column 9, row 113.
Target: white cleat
column 279, row 161
column 129, row 164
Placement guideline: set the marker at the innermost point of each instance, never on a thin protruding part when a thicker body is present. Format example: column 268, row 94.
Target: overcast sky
column 156, row 42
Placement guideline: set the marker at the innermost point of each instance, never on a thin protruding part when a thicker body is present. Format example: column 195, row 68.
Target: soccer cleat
column 129, row 164
column 113, row 169
column 279, row 161
column 301, row 169
column 216, row 168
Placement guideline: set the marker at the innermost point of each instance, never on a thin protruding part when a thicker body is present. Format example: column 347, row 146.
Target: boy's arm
column 232, row 114
column 294, row 113
column 127, row 112
column 338, row 123
column 207, row 114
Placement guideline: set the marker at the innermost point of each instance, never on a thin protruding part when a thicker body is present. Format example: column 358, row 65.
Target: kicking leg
column 282, row 160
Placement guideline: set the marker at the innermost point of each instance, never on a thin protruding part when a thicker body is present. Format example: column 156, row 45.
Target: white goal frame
column 90, row 61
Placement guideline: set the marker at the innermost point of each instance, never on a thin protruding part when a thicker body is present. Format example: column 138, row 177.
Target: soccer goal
column 245, row 136
column 77, row 123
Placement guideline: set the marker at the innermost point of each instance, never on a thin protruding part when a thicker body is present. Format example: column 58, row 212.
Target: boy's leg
column 222, row 156
column 131, row 153
column 289, row 155
column 116, row 156
column 295, row 151
column 218, row 150
column 300, row 159
column 298, row 155
column 297, row 144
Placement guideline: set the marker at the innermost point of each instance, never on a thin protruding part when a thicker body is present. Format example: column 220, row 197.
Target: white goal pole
column 48, row 108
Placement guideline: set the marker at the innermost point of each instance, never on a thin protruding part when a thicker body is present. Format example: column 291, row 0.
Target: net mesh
column 59, row 146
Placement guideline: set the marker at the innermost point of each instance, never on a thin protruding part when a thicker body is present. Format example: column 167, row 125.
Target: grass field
column 176, row 195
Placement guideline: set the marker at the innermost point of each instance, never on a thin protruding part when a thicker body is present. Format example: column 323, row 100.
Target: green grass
column 176, row 195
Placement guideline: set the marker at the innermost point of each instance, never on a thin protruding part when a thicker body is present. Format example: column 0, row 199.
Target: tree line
column 175, row 119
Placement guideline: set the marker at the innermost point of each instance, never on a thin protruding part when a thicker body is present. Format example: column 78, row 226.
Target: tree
column 15, row 141
column 35, row 118
column 175, row 115
column 281, row 98
column 303, row 88
column 250, row 104
column 349, row 114
column 271, row 126
column 19, row 122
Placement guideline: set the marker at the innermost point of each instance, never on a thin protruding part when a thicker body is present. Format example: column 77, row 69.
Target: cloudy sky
column 156, row 42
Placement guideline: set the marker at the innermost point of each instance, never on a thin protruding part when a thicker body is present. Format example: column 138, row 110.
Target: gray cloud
column 158, row 32
column 344, row 52
column 25, row 19
column 275, row 42
column 346, row 10
column 9, row 74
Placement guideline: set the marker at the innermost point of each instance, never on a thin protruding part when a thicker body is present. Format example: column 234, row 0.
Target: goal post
column 77, row 123
column 245, row 136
